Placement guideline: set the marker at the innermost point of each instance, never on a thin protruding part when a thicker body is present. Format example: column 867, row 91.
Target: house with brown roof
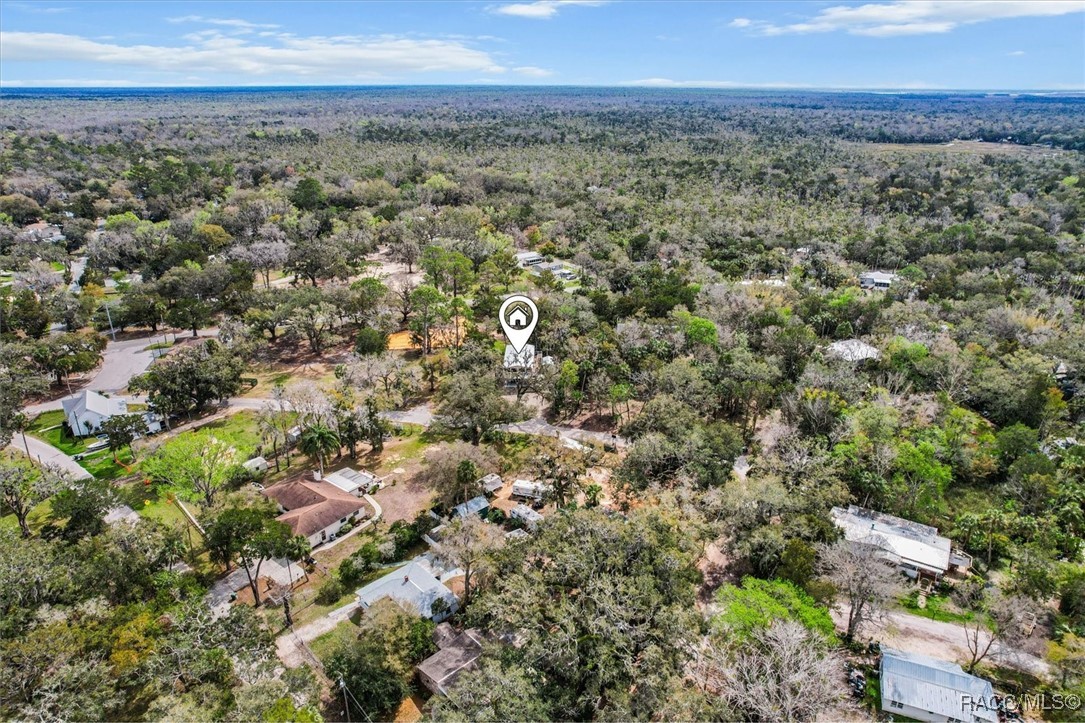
column 315, row 509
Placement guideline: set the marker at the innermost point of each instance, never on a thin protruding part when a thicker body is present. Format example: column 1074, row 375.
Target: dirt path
column 942, row 640
column 291, row 646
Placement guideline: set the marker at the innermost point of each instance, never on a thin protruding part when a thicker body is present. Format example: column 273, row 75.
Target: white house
column 413, row 585
column 529, row 258
column 86, row 412
column 917, row 549
column 878, row 280
column 315, row 509
column 854, row 350
column 519, row 361
column 927, row 689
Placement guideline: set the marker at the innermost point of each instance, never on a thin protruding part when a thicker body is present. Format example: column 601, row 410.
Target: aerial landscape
column 466, row 362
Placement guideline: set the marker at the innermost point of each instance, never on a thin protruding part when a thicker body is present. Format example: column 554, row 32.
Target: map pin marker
column 518, row 315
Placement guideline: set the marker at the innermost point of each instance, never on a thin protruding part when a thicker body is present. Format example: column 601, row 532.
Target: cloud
column 912, row 17
column 1015, row 53
column 33, row 8
column 541, row 9
column 533, row 72
column 342, row 58
column 227, row 22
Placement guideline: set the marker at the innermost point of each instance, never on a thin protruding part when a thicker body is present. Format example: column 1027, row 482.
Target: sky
column 891, row 45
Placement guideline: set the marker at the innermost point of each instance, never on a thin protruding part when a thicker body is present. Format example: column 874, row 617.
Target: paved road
column 44, row 453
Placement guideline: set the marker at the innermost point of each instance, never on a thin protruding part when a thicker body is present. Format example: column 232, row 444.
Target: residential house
column 475, row 506
column 413, row 585
column 877, row 280
column 917, row 549
column 315, row 509
column 457, row 652
column 87, row 411
column 927, row 689
column 519, row 361
column 529, row 258
column 354, row 482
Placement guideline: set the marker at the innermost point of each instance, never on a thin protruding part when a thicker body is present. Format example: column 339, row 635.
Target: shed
column 529, row 258
column 256, row 465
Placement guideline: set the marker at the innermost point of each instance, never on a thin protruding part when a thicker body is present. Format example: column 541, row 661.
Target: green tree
column 24, row 486
column 473, row 405
column 252, row 536
column 319, row 441
column 196, row 465
column 122, row 430
column 493, row 692
column 309, row 194
column 78, row 510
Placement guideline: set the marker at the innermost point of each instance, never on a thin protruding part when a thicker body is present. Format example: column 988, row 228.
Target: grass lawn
column 343, row 633
column 240, row 430
column 101, row 464
column 937, row 609
column 36, row 519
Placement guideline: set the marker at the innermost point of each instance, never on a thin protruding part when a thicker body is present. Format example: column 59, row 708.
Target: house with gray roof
column 458, row 652
column 414, row 587
column 916, row 548
column 928, row 689
column 877, row 280
column 474, row 506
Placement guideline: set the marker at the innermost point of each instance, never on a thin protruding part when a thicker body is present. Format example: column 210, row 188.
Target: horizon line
column 552, row 86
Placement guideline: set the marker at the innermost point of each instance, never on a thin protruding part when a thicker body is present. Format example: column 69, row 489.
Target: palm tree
column 319, row 441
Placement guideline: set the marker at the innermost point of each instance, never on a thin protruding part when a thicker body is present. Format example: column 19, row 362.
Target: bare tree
column 467, row 543
column 863, row 577
column 784, row 672
column 1000, row 619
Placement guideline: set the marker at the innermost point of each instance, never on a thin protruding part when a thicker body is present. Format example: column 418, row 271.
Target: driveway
column 942, row 640
column 540, row 427
column 47, row 454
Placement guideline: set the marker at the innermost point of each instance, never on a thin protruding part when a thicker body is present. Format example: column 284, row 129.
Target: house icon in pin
column 518, row 316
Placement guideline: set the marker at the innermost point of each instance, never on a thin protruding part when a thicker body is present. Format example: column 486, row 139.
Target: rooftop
column 90, row 401
column 413, row 584
column 904, row 540
column 312, row 505
column 471, row 507
column 935, row 686
column 349, row 480
column 854, row 350
column 456, row 655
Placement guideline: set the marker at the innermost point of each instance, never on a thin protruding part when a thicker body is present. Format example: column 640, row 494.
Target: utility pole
column 112, row 331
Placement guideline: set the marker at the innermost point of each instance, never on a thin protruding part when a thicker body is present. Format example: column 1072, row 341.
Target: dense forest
column 717, row 330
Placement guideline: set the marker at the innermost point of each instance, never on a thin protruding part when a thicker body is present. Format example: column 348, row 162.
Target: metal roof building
column 474, row 506
column 413, row 584
column 929, row 689
column 915, row 547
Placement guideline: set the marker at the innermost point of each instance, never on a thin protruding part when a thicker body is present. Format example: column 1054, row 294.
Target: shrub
column 330, row 591
column 371, row 341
